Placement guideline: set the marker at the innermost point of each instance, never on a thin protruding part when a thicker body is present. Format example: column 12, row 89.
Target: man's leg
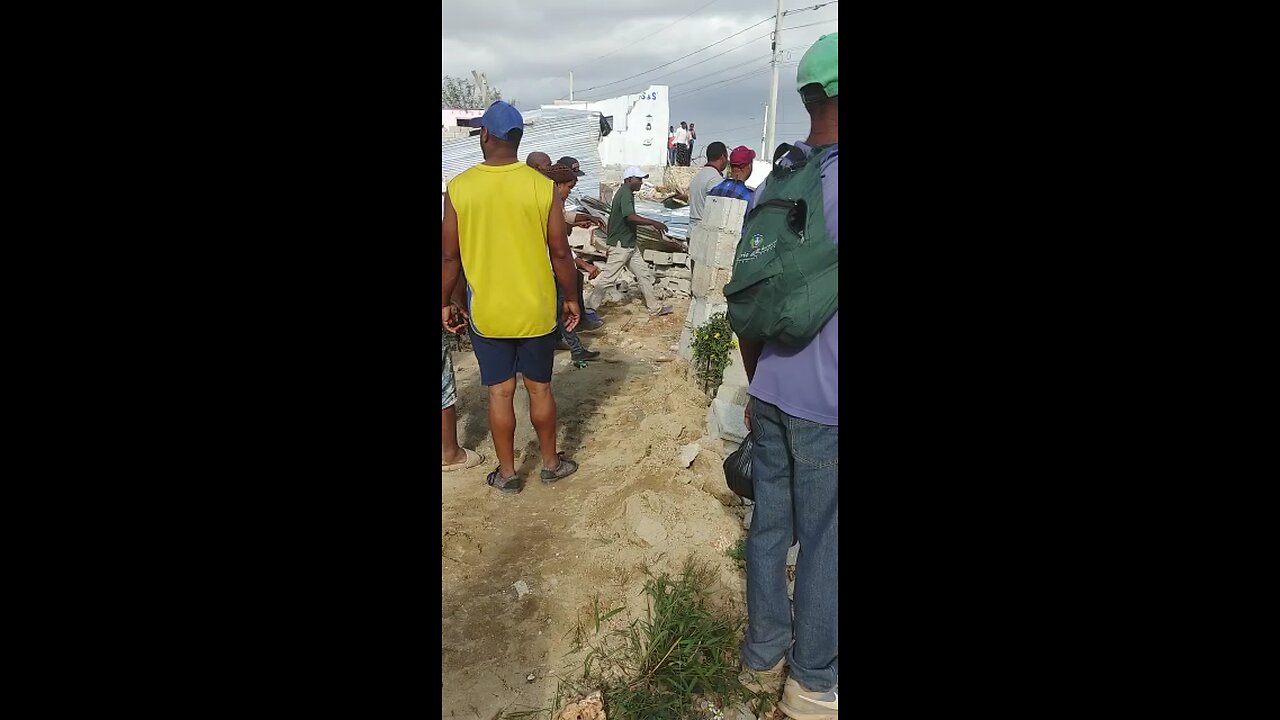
column 534, row 360
column 502, row 424
column 497, row 361
column 640, row 268
column 768, row 610
column 613, row 264
column 450, row 453
column 542, row 413
column 815, row 657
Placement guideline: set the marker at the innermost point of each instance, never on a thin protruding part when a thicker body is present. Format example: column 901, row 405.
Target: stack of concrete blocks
column 712, row 246
column 452, row 132
column 671, row 271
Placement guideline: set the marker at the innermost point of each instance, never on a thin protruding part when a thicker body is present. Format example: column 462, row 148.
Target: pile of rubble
column 672, row 271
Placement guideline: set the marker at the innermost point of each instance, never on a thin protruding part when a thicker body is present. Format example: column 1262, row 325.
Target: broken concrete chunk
column 688, row 453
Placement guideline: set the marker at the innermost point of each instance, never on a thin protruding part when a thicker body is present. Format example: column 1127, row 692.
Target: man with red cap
column 735, row 186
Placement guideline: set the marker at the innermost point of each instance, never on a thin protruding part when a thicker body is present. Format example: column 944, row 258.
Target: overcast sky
column 527, row 50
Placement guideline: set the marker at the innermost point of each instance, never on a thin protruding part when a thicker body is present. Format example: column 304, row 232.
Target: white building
column 639, row 125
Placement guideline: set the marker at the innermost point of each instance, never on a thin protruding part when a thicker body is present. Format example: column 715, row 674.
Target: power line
column 713, row 57
column 807, row 9
column 691, row 91
column 695, row 52
column 684, row 93
column 752, row 125
column 646, row 37
column 729, row 67
column 797, row 27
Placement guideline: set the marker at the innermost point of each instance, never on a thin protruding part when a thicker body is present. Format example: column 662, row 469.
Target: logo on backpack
column 756, row 249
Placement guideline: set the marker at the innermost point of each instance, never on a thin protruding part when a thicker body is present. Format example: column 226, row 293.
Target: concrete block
column 726, row 248
column 708, row 282
column 728, row 420
column 736, row 374
column 580, row 237
column 657, row 258
column 678, row 284
column 676, row 271
column 679, row 258
column 721, row 213
column 702, row 242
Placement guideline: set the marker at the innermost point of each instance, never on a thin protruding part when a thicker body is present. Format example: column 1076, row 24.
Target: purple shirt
column 805, row 383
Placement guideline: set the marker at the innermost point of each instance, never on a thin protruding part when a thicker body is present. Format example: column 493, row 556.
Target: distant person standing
column 711, row 175
column 504, row 226
column 671, row 145
column 621, row 240
column 693, row 135
column 682, row 144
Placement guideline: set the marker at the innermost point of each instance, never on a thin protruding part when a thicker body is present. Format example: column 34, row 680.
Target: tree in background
column 462, row 94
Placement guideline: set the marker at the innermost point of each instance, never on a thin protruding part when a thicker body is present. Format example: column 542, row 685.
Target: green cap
column 821, row 65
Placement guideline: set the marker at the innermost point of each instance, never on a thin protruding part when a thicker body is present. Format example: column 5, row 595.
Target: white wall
column 640, row 123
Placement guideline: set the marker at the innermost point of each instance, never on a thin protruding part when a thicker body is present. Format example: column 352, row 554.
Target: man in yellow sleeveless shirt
column 504, row 225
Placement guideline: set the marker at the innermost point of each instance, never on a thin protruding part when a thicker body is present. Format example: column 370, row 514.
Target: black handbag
column 737, row 469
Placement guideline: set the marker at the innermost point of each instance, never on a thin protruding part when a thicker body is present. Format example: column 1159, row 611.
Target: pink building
column 450, row 117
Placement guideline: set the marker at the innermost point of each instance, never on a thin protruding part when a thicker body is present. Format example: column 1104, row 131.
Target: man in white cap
column 621, row 239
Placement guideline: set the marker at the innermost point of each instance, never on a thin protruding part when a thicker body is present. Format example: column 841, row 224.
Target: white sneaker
column 801, row 704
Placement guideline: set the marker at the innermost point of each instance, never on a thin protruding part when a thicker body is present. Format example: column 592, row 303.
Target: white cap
column 634, row 171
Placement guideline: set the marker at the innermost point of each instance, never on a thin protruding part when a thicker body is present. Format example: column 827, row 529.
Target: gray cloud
column 527, row 50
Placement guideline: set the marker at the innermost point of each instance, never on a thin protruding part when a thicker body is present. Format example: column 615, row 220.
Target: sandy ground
column 520, row 572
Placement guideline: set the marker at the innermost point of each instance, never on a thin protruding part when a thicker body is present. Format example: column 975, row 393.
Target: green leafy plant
column 713, row 341
column 738, row 553
column 660, row 666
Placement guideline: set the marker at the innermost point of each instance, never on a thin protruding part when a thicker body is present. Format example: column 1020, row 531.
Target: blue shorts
column 501, row 358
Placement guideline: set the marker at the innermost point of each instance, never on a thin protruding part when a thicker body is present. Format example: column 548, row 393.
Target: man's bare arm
column 635, row 219
column 450, row 257
column 558, row 249
column 460, row 291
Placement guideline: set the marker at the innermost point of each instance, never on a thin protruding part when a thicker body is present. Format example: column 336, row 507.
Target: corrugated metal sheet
column 554, row 131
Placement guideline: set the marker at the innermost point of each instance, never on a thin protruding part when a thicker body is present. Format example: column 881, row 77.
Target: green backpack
column 786, row 269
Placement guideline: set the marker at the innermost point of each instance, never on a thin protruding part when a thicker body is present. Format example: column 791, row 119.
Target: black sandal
column 566, row 468
column 510, row 485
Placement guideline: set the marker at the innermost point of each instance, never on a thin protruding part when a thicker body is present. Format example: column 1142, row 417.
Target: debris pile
column 667, row 256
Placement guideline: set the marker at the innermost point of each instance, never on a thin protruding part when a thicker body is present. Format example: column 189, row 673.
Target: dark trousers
column 682, row 155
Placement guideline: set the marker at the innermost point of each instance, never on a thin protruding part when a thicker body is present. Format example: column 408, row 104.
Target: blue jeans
column 795, row 474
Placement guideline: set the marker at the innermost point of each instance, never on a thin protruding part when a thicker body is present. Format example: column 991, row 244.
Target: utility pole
column 772, row 126
column 764, row 133
column 570, row 86
column 482, row 84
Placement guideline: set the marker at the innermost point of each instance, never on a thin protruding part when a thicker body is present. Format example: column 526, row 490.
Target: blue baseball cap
column 500, row 119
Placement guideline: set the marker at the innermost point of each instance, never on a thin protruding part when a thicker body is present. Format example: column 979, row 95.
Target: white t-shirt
column 682, row 136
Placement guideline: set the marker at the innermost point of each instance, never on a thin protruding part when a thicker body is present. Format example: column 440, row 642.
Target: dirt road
column 520, row 572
